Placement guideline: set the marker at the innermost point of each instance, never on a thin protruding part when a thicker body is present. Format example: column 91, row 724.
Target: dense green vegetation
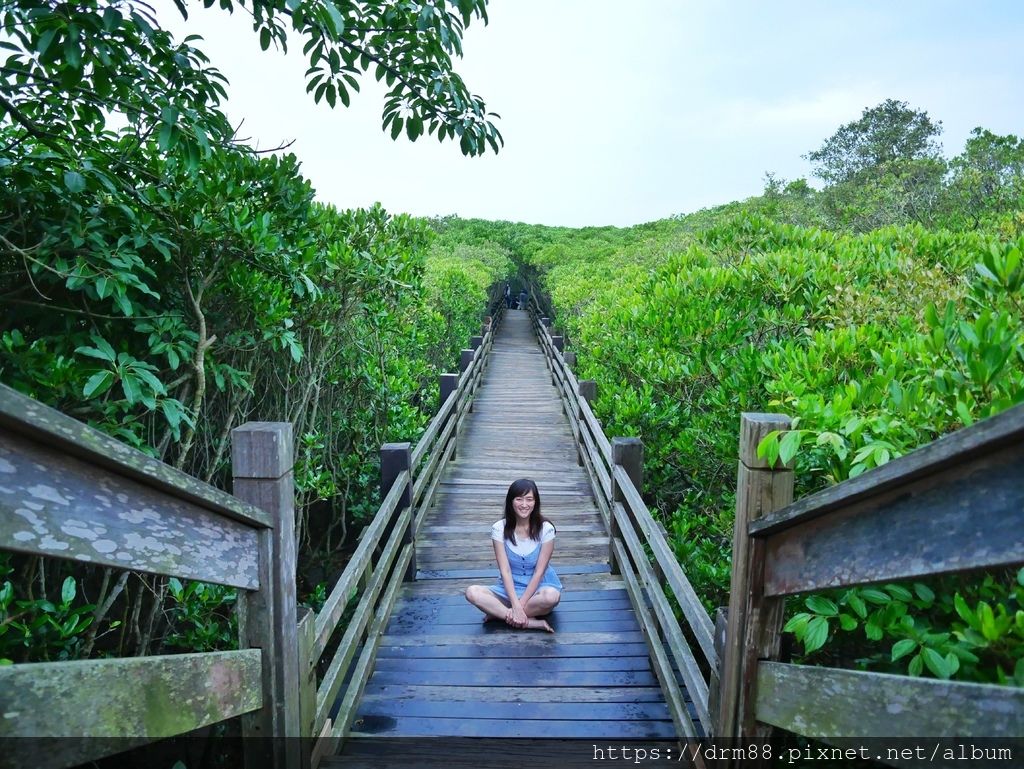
column 165, row 283
column 876, row 339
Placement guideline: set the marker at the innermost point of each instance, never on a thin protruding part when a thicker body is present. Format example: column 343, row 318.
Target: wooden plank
column 511, row 637
column 466, row 614
column 754, row 623
column 143, row 698
column 682, row 724
column 968, row 517
column 534, row 665
column 334, row 676
column 344, row 589
column 505, row 652
column 461, row 727
column 66, row 436
column 584, row 568
column 487, row 694
column 363, row 667
column 568, row 623
column 494, row 753
column 691, row 674
column 261, row 463
column 826, row 702
column 60, row 506
column 965, row 446
column 572, row 600
column 696, row 616
column 567, row 711
column 427, row 439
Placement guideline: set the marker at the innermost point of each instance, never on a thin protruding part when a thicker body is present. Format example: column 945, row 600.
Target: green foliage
column 45, row 628
column 202, row 617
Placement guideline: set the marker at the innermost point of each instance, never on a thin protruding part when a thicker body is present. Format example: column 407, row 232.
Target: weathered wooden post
column 570, row 359
column 559, row 342
column 447, row 384
column 754, row 623
column 261, row 462
column 465, row 361
column 628, row 452
column 307, row 682
column 394, row 459
column 476, row 341
column 588, row 393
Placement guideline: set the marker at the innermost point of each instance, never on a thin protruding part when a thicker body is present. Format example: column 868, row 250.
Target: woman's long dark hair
column 521, row 488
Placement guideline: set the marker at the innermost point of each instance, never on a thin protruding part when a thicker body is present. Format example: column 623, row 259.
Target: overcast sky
column 626, row 112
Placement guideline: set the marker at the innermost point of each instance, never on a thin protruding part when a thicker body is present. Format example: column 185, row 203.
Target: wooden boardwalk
column 440, row 671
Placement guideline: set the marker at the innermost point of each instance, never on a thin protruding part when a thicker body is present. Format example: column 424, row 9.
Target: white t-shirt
column 523, row 545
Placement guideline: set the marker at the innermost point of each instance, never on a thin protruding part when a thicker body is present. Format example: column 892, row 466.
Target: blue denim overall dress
column 522, row 572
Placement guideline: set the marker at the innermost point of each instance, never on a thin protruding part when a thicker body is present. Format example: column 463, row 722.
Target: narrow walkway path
column 440, row 671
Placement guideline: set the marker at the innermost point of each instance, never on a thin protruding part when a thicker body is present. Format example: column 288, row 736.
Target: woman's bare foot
column 539, row 624
column 489, row 618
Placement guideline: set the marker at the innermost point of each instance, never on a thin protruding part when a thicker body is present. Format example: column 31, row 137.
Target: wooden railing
column 385, row 557
column 68, row 491
column 953, row 506
column 615, row 470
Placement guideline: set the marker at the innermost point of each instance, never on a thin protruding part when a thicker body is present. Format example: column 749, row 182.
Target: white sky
column 626, row 112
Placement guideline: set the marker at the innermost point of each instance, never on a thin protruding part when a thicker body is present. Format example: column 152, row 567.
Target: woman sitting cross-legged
column 528, row 587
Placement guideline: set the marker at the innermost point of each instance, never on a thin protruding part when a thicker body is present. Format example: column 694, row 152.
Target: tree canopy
column 890, row 132
column 69, row 67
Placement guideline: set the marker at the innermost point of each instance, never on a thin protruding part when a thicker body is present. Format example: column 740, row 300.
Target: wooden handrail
column 71, row 492
column 634, row 529
column 398, row 518
column 952, row 506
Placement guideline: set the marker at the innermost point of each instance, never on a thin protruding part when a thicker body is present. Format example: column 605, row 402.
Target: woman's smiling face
column 523, row 505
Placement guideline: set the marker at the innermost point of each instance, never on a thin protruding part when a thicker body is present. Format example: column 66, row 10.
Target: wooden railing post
column 465, row 361
column 588, row 393
column 570, row 359
column 261, row 460
column 307, row 683
column 394, row 458
column 558, row 340
column 754, row 623
column 628, row 452
column 447, row 384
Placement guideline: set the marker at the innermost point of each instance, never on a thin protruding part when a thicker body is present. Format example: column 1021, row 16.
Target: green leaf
column 924, row 592
column 821, row 605
column 847, row 622
column 98, row 383
column 856, row 603
column 798, row 625
column 74, row 181
column 936, row 663
column 816, row 635
column 872, row 630
column 1018, row 672
column 899, row 592
column 875, row 596
column 903, row 648
column 916, row 665
column 67, row 590
column 790, row 445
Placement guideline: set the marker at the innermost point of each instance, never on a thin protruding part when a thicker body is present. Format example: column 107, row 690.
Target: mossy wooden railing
column 615, row 468
column 68, row 491
column 385, row 557
column 953, row 506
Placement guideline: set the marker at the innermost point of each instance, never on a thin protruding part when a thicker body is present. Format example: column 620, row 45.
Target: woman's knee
column 474, row 593
column 550, row 596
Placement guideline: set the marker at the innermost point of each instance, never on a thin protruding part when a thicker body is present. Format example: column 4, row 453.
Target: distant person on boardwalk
column 528, row 587
column 524, row 298
column 508, row 296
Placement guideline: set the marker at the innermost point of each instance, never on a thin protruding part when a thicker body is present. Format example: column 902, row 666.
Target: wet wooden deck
column 441, row 672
